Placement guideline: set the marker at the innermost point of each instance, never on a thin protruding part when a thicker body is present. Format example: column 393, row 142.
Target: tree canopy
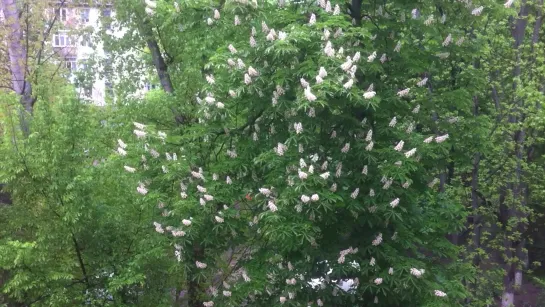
column 296, row 153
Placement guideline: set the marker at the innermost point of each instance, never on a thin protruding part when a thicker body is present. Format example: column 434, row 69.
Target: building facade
column 74, row 43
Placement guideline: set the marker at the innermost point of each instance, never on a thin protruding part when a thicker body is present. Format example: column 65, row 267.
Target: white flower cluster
column 394, row 203
column 142, row 189
column 150, row 7
column 399, row 146
column 232, row 153
column 416, row 272
column 178, row 232
column 372, row 57
column 377, row 240
column 441, row 139
column 404, row 92
column 245, row 276
column 200, row 265
column 265, row 191
column 429, row 21
column 410, row 153
column 447, row 40
column 272, row 206
column 291, row 281
column 477, row 11
column 280, row 149
column 345, row 252
column 397, row 47
column 369, row 146
column 158, row 227
column 393, row 122
column 355, row 193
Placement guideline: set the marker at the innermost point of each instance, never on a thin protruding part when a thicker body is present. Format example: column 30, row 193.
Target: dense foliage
column 296, row 154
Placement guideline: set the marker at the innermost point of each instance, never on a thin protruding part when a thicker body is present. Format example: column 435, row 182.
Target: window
column 84, row 15
column 109, row 89
column 62, row 39
column 82, row 66
column 107, row 23
column 150, row 86
column 86, row 40
column 88, row 90
column 62, row 14
column 71, row 64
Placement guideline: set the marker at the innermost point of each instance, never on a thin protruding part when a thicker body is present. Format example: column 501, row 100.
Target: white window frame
column 63, row 14
column 88, row 91
column 71, row 64
column 150, row 86
column 63, row 39
column 84, row 17
column 107, row 12
column 86, row 40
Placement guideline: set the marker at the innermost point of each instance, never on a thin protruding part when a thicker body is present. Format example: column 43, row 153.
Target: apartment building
column 76, row 24
column 76, row 41
column 75, row 44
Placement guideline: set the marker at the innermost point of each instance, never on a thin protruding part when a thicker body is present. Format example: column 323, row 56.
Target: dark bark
column 80, row 260
column 520, row 25
column 5, row 198
column 514, row 246
column 46, row 33
column 535, row 38
column 159, row 63
column 475, row 201
column 475, row 204
column 447, row 171
column 194, row 288
column 355, row 11
column 475, row 219
column 538, row 23
column 146, row 30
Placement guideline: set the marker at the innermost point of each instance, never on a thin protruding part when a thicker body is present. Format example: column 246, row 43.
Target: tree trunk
column 18, row 62
column 146, row 30
column 514, row 243
column 160, row 65
column 355, row 11
column 475, row 202
column 194, row 288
